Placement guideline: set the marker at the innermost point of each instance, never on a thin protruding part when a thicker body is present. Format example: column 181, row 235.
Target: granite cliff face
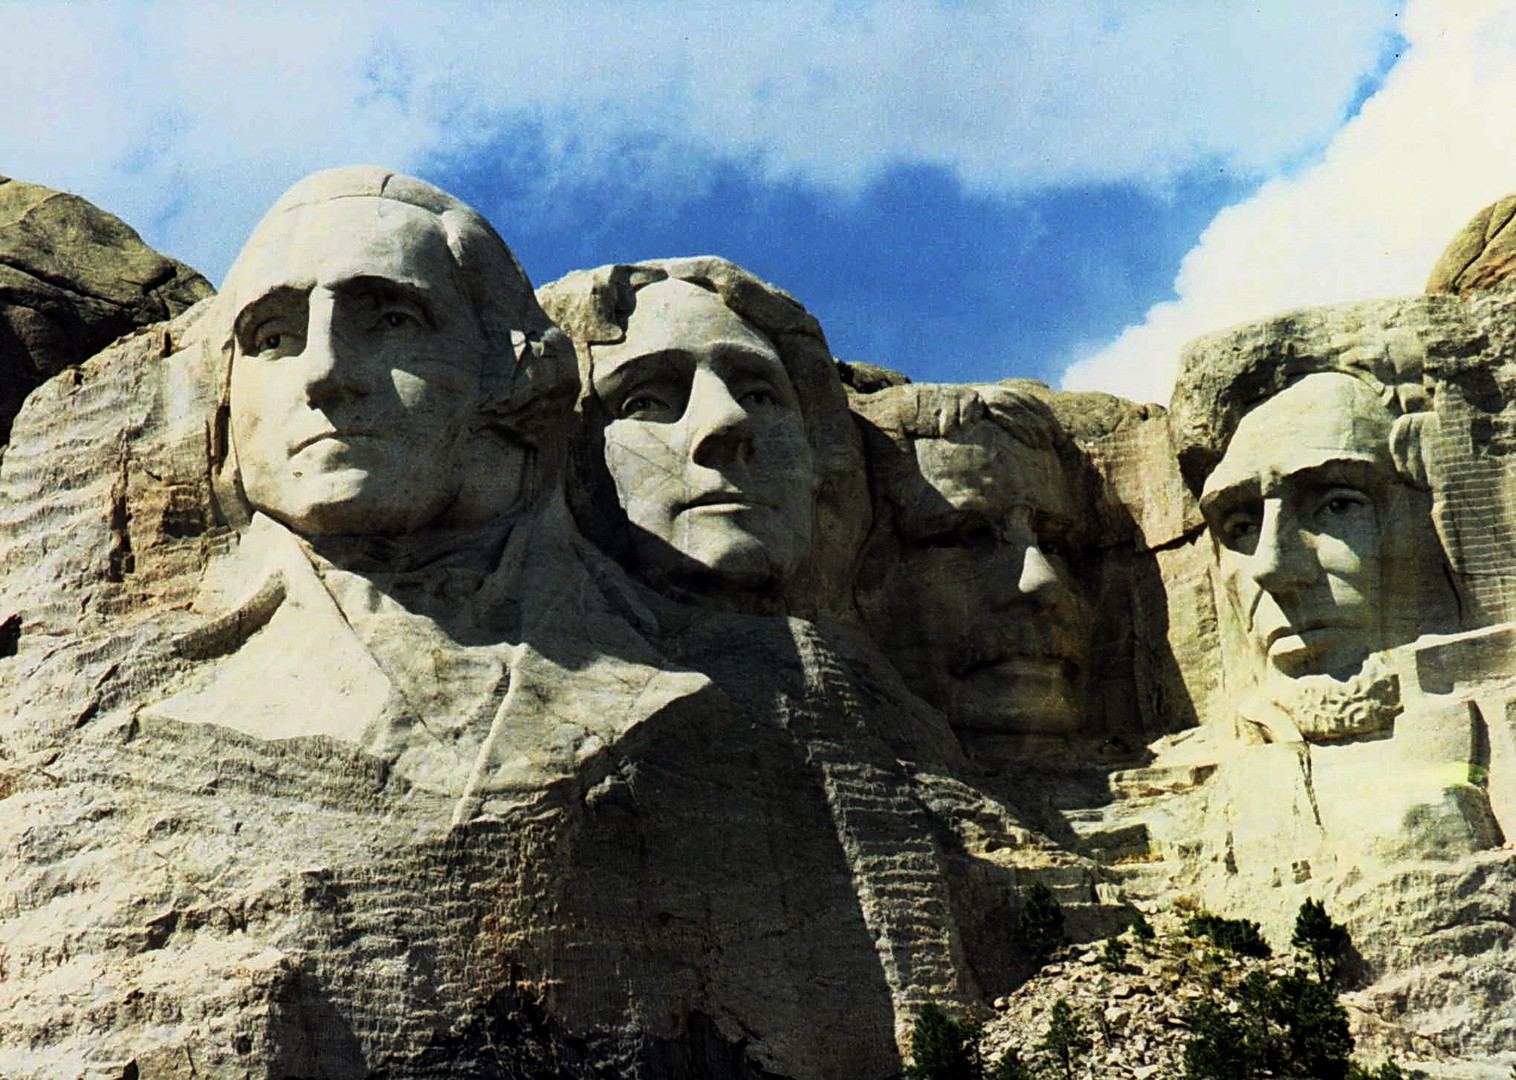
column 404, row 673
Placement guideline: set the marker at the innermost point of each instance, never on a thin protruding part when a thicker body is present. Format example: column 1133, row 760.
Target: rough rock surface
column 583, row 746
column 72, row 279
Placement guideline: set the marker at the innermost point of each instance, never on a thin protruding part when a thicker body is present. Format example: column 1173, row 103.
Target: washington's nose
column 326, row 361
column 720, row 434
column 1283, row 559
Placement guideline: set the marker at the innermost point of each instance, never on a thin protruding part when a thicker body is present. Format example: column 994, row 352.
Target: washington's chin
column 1016, row 696
column 352, row 501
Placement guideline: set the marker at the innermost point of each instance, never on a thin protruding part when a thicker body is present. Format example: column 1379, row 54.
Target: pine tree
column 1142, row 930
column 943, row 1048
column 1065, row 1039
column 1114, row 954
column 1323, row 939
column 1011, row 1067
column 1041, row 921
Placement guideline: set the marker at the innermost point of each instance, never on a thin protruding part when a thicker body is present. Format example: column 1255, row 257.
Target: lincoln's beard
column 1319, row 708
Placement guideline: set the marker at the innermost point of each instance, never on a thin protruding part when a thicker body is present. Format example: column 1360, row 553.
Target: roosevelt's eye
column 1055, row 546
column 965, row 537
column 396, row 319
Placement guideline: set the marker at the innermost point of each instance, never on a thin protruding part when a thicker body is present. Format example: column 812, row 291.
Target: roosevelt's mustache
column 1033, row 637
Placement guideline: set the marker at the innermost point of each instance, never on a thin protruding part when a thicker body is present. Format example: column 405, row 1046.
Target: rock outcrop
column 405, row 673
column 73, row 278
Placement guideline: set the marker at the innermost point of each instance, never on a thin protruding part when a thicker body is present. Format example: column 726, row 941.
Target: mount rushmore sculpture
column 407, row 673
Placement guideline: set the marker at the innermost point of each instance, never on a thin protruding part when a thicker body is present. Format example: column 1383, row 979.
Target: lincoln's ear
column 1408, row 436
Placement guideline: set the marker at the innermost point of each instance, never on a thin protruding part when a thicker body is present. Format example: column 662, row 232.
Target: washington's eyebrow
column 255, row 311
column 383, row 288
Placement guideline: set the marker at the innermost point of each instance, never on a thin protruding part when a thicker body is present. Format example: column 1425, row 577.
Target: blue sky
column 961, row 191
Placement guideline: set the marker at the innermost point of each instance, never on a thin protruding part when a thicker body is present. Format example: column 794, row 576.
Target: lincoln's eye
column 397, row 319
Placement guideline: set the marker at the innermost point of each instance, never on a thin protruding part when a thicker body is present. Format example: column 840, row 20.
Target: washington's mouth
column 720, row 500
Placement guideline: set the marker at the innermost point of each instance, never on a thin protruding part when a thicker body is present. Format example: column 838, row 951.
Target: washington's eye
column 274, row 339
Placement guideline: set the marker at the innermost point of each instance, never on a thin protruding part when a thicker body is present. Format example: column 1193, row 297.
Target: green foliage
column 1388, row 1071
column 1065, row 1039
column 1324, row 940
column 1142, row 930
column 1041, row 921
column 1114, row 954
column 943, row 1048
column 1240, row 936
column 1316, row 1027
column 1220, row 1047
column 1292, row 1027
column 1011, row 1067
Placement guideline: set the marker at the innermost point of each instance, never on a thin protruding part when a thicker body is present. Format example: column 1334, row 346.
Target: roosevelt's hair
column 931, row 411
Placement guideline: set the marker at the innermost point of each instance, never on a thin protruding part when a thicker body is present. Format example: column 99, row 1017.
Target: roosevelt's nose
column 1284, row 559
column 720, row 433
column 1039, row 583
column 1021, row 575
column 329, row 364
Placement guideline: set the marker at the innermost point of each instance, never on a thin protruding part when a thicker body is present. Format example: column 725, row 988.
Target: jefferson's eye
column 645, row 405
column 760, row 397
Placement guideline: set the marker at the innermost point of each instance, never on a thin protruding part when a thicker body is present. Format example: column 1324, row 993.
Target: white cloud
column 1431, row 148
column 187, row 118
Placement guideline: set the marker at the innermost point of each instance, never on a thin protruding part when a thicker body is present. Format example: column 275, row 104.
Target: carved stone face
column 1303, row 508
column 355, row 369
column 706, row 444
column 980, row 612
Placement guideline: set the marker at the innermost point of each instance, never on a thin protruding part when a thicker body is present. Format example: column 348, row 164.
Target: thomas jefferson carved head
column 376, row 326
column 967, row 581
column 713, row 412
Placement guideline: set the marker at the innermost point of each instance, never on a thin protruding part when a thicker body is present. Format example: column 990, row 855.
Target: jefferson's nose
column 719, row 430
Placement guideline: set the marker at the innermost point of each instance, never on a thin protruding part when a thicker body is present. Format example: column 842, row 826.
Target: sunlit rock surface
column 405, row 673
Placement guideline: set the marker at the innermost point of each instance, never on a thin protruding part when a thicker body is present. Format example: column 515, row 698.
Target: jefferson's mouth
column 341, row 435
